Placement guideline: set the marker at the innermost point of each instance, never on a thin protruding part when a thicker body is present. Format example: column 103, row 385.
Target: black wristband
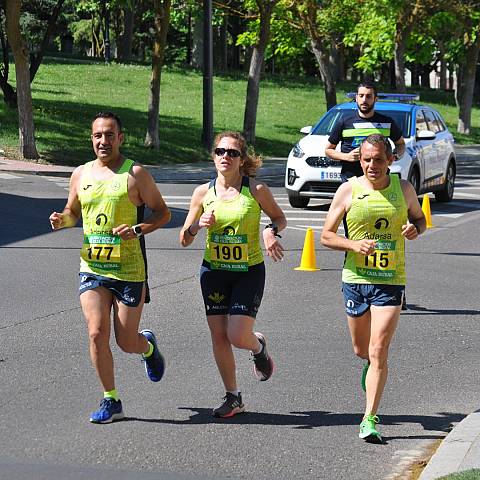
column 417, row 228
column 274, row 227
column 190, row 232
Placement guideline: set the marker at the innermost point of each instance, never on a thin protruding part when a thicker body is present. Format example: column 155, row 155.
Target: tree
column 37, row 35
column 161, row 21
column 265, row 8
column 323, row 23
column 26, row 128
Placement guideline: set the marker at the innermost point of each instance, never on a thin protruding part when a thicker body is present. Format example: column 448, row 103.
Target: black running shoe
column 263, row 363
column 232, row 404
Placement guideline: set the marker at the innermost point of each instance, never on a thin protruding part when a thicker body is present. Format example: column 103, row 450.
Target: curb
column 460, row 450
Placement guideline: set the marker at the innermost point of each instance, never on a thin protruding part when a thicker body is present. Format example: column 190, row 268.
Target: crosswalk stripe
column 8, row 176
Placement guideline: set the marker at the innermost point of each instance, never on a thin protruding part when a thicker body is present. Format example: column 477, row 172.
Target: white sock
column 233, row 392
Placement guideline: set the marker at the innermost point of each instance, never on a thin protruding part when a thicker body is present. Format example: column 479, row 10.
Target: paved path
column 458, row 452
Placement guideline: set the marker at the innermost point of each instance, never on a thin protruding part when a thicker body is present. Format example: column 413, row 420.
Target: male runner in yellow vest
column 381, row 210
column 110, row 194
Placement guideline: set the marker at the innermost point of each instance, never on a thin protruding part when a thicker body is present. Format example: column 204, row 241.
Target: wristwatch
column 137, row 230
column 274, row 227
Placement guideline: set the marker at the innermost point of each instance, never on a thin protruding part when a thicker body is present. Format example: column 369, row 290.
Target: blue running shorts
column 359, row 296
column 129, row 293
column 232, row 293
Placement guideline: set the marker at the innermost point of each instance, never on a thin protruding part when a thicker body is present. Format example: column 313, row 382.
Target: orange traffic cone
column 308, row 262
column 426, row 210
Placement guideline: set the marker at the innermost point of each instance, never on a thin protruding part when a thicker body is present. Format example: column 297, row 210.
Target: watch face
column 137, row 229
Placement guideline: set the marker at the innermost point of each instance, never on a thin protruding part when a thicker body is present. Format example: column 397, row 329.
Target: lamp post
column 207, row 135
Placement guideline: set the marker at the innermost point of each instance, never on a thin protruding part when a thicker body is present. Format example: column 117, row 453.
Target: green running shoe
column 364, row 376
column 368, row 430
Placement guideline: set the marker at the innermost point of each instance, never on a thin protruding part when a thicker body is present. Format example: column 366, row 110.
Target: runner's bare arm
column 416, row 219
column 400, row 147
column 191, row 226
column 142, row 190
column 331, row 152
column 72, row 211
column 330, row 238
column 267, row 202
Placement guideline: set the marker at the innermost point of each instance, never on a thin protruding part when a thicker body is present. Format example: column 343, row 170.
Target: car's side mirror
column 425, row 135
column 306, row 130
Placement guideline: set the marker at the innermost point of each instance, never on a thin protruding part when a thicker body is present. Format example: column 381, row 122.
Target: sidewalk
column 459, row 451
column 200, row 172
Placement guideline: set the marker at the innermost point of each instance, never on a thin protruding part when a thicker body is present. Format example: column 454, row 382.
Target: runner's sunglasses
column 231, row 152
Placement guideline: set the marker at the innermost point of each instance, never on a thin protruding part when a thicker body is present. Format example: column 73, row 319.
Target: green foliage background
column 66, row 94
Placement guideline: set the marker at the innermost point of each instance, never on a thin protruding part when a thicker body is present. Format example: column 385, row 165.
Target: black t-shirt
column 351, row 129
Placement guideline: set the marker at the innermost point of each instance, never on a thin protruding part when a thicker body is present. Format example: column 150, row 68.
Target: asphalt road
column 301, row 424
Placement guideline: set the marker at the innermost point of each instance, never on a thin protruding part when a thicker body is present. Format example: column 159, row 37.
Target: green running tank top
column 105, row 205
column 377, row 215
column 233, row 242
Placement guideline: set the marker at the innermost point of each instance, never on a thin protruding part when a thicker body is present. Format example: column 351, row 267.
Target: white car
column 429, row 160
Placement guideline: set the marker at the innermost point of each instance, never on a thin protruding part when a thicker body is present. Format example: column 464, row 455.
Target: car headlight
column 297, row 151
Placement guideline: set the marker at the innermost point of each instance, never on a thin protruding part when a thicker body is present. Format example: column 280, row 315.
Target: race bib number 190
column 102, row 251
column 229, row 252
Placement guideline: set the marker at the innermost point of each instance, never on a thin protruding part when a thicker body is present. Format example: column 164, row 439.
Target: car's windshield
column 326, row 123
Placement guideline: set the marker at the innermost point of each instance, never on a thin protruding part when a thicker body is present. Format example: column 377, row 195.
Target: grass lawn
column 67, row 93
column 466, row 475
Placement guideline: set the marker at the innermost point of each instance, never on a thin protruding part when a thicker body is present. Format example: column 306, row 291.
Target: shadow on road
column 25, row 217
column 311, row 419
column 417, row 310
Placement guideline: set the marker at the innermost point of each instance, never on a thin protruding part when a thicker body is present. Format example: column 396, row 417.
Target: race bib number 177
column 102, row 251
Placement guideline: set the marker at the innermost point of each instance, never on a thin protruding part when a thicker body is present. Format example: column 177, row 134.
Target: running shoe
column 262, row 362
column 109, row 411
column 155, row 363
column 368, row 429
column 232, row 404
column 364, row 376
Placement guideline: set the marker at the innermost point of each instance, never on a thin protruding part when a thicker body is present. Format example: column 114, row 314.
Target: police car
column 428, row 163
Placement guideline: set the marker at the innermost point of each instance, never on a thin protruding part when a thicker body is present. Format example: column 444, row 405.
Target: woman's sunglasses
column 231, row 152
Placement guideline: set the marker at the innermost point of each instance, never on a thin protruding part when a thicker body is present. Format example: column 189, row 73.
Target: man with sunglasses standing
column 232, row 275
column 110, row 194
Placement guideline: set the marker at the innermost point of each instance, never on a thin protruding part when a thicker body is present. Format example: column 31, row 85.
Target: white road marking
column 8, row 176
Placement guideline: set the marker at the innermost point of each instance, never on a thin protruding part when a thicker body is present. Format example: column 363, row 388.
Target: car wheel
column 414, row 179
column 446, row 193
column 298, row 202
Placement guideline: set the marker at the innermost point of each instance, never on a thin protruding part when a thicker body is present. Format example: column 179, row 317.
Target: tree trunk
column 162, row 20
column 26, row 128
column 443, row 65
column 322, row 56
column 256, row 65
column 466, row 87
column 399, row 56
column 189, row 46
column 425, row 75
column 52, row 23
column 127, row 36
column 224, row 44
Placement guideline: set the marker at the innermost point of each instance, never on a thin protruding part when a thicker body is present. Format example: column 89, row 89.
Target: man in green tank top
column 110, row 194
column 381, row 211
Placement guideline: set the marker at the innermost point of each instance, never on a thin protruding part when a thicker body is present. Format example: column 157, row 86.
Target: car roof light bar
column 401, row 97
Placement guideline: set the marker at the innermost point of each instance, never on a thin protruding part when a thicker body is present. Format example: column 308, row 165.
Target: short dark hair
column 378, row 139
column 109, row 115
column 369, row 85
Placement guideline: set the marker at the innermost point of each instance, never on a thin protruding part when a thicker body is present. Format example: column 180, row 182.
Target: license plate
column 330, row 175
